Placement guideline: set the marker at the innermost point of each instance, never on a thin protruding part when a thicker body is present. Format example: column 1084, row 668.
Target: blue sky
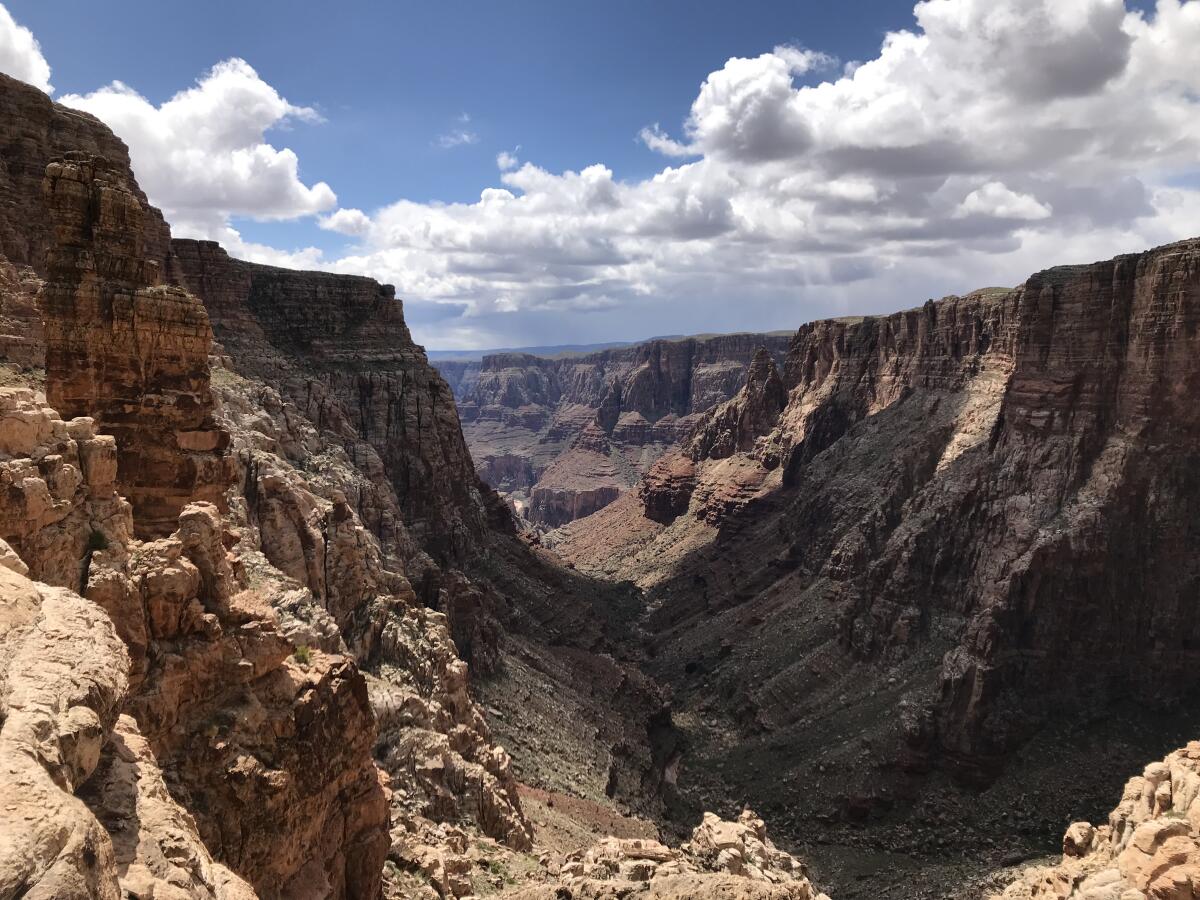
column 982, row 139
column 570, row 83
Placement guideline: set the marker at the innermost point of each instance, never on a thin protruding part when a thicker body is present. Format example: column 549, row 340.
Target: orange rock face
column 129, row 352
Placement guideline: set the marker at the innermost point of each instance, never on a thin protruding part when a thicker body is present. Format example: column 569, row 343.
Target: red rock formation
column 579, row 482
column 125, row 350
column 736, row 425
column 272, row 760
column 506, row 606
column 667, row 488
column 34, row 130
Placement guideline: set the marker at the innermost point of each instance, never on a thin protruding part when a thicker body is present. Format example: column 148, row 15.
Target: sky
column 548, row 172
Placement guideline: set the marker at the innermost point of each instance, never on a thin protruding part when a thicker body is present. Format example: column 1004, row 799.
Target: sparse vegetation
column 302, row 654
column 97, row 541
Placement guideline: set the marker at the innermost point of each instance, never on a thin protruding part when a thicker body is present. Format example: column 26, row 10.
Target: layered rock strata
column 980, row 458
column 271, row 759
column 521, row 622
column 33, row 131
column 967, row 523
column 337, row 347
column 126, row 350
column 330, row 580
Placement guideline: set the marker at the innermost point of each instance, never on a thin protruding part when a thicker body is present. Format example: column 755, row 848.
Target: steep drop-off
column 337, row 356
column 338, row 348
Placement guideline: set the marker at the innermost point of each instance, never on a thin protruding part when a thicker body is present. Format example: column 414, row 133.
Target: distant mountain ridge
column 551, row 351
column 566, row 435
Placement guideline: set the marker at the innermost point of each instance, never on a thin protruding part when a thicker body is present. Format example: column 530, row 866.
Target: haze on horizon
column 546, row 175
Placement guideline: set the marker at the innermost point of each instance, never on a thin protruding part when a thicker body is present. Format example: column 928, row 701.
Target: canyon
column 875, row 608
column 564, row 436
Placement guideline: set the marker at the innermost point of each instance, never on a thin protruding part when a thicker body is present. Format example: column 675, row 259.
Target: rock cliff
column 198, row 686
column 126, row 350
column 33, row 131
column 250, row 743
column 355, row 410
column 337, row 347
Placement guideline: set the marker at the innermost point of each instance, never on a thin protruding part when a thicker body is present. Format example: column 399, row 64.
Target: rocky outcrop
column 1149, row 848
column 63, row 671
column 339, row 594
column 236, row 700
column 735, row 426
column 62, row 680
column 61, row 507
column 722, row 859
column 433, row 738
column 587, row 477
column 667, row 488
column 525, row 416
column 157, row 850
column 122, row 348
column 271, row 758
column 448, row 537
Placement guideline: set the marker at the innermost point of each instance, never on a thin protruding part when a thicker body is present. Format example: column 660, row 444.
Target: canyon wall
column 126, row 350
column 338, row 348
column 33, row 131
column 961, row 528
column 187, row 679
column 352, row 405
column 529, row 420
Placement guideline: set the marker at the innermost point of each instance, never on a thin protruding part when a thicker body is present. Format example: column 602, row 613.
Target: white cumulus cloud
column 984, row 142
column 203, row 155
column 996, row 200
column 20, row 55
column 346, row 221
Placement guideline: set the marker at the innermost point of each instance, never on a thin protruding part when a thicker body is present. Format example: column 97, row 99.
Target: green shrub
column 303, row 654
column 97, row 540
